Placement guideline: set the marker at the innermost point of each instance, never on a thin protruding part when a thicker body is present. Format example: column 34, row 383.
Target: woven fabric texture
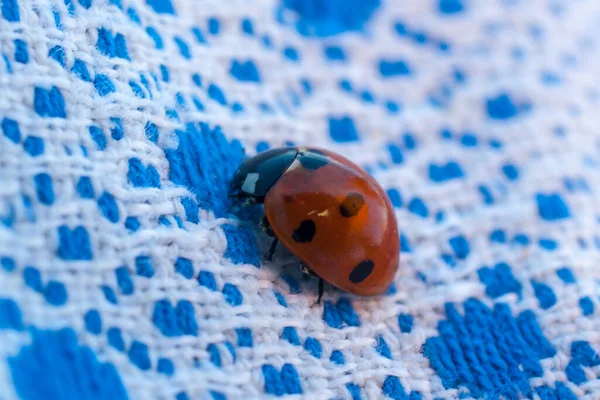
column 123, row 273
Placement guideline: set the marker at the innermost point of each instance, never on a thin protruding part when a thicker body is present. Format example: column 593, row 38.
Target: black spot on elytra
column 351, row 205
column 313, row 159
column 305, row 232
column 362, row 271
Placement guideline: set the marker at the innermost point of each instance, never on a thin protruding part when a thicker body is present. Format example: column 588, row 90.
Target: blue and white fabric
column 124, row 275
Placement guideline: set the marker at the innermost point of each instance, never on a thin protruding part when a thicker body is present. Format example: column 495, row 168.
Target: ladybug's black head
column 256, row 175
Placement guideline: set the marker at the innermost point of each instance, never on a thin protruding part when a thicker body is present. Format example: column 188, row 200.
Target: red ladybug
column 328, row 212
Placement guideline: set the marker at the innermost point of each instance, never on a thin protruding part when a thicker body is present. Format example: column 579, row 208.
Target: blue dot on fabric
column 566, row 275
column 132, row 224
column 124, row 280
column 214, row 354
column 291, row 54
column 367, row 96
column 207, row 279
column 131, row 12
column 244, row 71
column 393, row 388
column 98, row 136
column 115, row 338
column 331, row 20
column 108, row 207
column 244, row 336
column 409, row 141
column 44, row 188
column 93, row 322
column 184, row 267
column 74, row 244
column 449, row 7
column 137, row 90
column 141, row 176
column 445, row 172
column 544, row 294
column 197, row 79
column 232, row 294
column 382, row 348
column 214, row 26
column 510, row 171
column 10, row 10
column 247, row 27
column 460, row 246
column 501, row 107
column 33, row 278
column 337, row 357
column 138, row 355
column 33, row 145
column 55, row 293
column 313, row 346
column 394, row 196
column 109, row 294
column 340, row 314
column 468, row 140
column 262, row 146
column 392, row 106
column 488, row 199
column 184, row 49
column 552, row 207
column 548, row 244
column 103, row 85
column 143, row 266
column 499, row 280
column 290, row 335
column 498, row 236
column 182, row 396
column 7, row 263
column 280, row 298
column 393, row 68
column 57, row 53
column 10, row 127
column 165, row 366
column 417, row 206
column 395, row 153
column 342, row 129
column 354, row 391
column 405, row 321
column 21, row 52
column 335, row 53
column 346, row 85
column 10, row 315
column 158, row 43
column 161, row 6
column 587, row 306
column 215, row 93
column 80, row 70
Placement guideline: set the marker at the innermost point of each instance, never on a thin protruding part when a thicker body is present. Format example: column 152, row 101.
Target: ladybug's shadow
column 299, row 280
column 284, row 263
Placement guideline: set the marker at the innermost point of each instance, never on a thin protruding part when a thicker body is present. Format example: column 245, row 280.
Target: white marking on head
column 250, row 182
column 294, row 165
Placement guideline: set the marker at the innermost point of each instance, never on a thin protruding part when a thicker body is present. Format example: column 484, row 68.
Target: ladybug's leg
column 241, row 199
column 305, row 270
column 266, row 227
column 272, row 250
column 320, row 291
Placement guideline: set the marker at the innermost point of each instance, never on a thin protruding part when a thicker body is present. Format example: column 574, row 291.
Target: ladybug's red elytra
column 328, row 212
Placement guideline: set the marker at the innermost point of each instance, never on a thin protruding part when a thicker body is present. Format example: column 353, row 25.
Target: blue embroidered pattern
column 124, row 272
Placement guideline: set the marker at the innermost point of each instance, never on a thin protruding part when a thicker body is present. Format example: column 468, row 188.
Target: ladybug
column 333, row 216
